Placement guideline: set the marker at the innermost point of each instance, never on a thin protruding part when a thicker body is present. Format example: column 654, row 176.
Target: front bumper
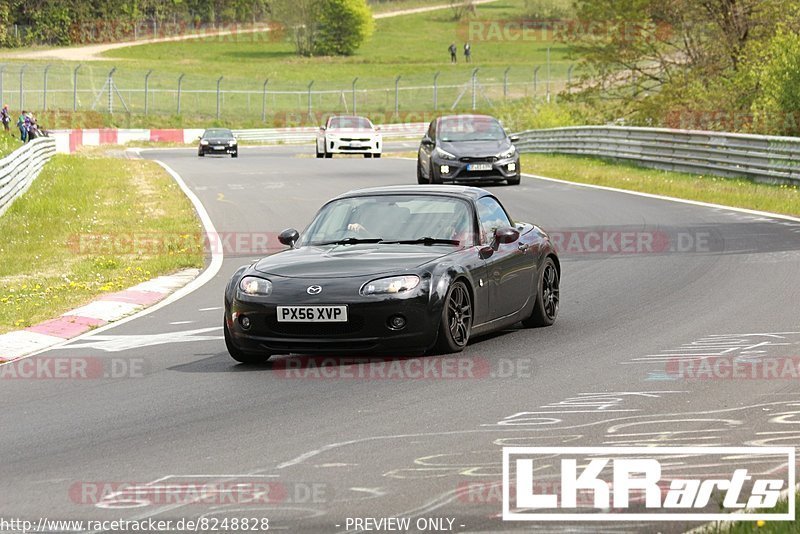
column 460, row 170
column 352, row 145
column 366, row 330
column 218, row 149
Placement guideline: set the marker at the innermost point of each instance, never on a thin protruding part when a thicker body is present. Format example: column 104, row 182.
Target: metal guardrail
column 758, row 157
column 19, row 169
column 309, row 133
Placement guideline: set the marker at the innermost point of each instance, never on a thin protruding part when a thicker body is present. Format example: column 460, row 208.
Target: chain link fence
column 108, row 89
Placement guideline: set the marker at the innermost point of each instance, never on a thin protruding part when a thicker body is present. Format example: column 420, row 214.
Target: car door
column 510, row 271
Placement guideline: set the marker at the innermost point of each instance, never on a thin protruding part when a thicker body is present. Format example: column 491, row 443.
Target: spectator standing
column 467, row 53
column 23, row 130
column 5, row 117
column 453, row 54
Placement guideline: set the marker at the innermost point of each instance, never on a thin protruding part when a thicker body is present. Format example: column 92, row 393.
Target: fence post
column 22, row 86
column 219, row 81
column 397, row 96
column 548, row 74
column 146, row 89
column 435, row 90
column 44, row 88
column 569, row 78
column 354, row 94
column 505, row 83
column 75, row 88
column 535, row 79
column 474, row 87
column 264, row 102
column 180, row 87
column 111, row 90
column 310, row 85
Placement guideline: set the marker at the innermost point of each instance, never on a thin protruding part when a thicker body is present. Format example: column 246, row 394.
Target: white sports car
column 349, row 135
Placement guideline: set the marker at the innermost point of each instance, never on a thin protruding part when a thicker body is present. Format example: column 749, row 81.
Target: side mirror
column 377, row 128
column 322, row 128
column 289, row 237
column 514, row 139
column 506, row 235
column 427, row 142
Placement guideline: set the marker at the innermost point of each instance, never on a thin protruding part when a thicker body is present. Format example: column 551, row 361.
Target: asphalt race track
column 331, row 444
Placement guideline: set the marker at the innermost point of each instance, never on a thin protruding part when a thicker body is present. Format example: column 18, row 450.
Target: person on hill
column 5, row 117
column 467, row 53
column 453, row 56
column 23, row 130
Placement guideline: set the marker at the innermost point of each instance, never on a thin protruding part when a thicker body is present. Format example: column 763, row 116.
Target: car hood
column 218, row 139
column 347, row 261
column 476, row 149
column 343, row 131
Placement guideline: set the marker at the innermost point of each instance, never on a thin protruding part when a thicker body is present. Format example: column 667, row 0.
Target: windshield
column 471, row 129
column 349, row 122
column 218, row 132
column 393, row 218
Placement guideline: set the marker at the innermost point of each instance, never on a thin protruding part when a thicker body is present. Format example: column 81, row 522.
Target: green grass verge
column 50, row 238
column 739, row 193
column 761, row 527
column 8, row 143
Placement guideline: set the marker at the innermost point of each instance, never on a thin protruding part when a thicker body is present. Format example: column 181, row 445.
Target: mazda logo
column 314, row 290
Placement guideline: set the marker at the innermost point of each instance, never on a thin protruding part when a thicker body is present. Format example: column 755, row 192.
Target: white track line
column 670, row 199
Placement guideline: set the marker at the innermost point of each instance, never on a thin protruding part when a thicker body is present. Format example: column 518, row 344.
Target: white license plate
column 355, row 144
column 219, row 148
column 312, row 314
column 479, row 167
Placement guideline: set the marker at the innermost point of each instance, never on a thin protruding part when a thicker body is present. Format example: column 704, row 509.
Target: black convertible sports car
column 467, row 148
column 394, row 270
column 218, row 141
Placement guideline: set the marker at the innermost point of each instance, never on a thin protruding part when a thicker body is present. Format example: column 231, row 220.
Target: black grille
column 352, row 326
column 469, row 159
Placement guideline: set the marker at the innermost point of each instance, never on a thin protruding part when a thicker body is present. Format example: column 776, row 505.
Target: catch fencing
column 19, row 169
column 762, row 158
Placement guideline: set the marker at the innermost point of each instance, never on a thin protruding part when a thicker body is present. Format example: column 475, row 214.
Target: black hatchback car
column 467, row 148
column 218, row 141
column 401, row 269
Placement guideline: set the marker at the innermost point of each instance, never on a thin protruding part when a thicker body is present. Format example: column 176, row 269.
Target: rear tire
column 238, row 355
column 545, row 309
column 456, row 322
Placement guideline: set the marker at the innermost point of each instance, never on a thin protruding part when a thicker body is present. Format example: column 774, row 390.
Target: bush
column 343, row 25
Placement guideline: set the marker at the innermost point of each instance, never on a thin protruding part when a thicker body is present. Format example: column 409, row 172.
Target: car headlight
column 508, row 153
column 232, row 142
column 391, row 285
column 204, row 141
column 251, row 285
column 444, row 154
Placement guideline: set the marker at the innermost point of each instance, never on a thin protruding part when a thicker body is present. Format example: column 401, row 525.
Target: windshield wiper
column 348, row 241
column 427, row 241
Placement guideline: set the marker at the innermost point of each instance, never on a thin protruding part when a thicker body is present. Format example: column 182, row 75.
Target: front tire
column 201, row 154
column 238, row 355
column 378, row 155
column 545, row 309
column 328, row 155
column 367, row 155
column 235, row 155
column 420, row 179
column 513, row 181
column 456, row 322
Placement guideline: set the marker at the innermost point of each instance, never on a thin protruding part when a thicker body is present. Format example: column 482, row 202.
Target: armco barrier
column 20, row 168
column 70, row 140
column 758, row 157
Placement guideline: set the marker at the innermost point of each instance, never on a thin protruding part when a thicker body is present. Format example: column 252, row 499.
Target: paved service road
column 645, row 282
